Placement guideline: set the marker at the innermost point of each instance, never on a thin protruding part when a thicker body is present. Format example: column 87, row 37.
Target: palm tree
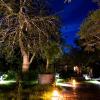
column 25, row 25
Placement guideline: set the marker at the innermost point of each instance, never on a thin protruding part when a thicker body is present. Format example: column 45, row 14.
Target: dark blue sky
column 72, row 15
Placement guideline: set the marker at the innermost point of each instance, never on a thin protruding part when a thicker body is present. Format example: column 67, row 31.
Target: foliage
column 11, row 75
column 51, row 52
column 27, row 25
column 90, row 32
column 34, row 31
column 35, row 92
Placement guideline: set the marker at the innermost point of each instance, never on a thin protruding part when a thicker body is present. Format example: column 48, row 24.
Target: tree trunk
column 25, row 66
column 47, row 64
column 25, row 55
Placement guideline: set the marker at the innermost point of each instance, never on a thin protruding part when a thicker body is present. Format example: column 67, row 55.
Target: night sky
column 72, row 15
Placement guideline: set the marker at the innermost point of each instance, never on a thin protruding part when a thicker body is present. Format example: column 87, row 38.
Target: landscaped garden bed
column 35, row 92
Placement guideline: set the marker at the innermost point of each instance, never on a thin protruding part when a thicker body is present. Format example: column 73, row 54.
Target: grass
column 25, row 92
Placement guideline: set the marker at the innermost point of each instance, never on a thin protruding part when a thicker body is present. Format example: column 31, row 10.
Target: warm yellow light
column 74, row 83
column 55, row 95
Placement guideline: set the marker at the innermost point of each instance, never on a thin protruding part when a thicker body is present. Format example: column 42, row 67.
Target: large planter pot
column 45, row 78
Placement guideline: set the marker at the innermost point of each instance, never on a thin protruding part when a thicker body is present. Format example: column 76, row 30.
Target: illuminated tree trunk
column 25, row 55
column 25, row 66
column 47, row 64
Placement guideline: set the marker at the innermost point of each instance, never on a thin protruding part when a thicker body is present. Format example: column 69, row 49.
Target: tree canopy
column 90, row 32
column 28, row 25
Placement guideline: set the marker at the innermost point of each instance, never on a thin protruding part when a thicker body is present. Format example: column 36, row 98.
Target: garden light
column 56, row 95
column 57, row 76
column 3, row 77
column 74, row 83
column 87, row 77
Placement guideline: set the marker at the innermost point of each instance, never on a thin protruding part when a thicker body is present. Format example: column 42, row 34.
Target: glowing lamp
column 74, row 83
column 55, row 95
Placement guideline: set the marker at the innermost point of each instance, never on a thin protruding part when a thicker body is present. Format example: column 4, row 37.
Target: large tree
column 90, row 32
column 27, row 25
